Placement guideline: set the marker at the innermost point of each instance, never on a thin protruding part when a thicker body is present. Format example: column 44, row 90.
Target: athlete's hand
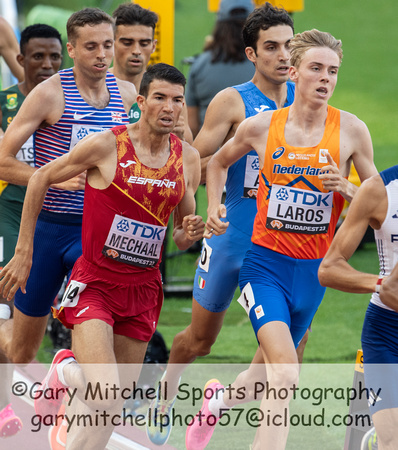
column 179, row 129
column 14, row 276
column 331, row 177
column 213, row 224
column 76, row 183
column 194, row 227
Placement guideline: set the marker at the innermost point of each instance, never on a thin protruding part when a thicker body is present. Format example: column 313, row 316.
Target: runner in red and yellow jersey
column 305, row 153
column 137, row 176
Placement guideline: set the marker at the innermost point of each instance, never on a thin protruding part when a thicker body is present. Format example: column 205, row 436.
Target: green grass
column 367, row 88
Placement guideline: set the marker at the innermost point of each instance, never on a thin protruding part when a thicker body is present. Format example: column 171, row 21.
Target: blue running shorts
column 217, row 275
column 57, row 245
column 380, row 356
column 276, row 287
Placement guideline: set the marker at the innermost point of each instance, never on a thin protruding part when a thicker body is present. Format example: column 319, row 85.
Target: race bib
column 81, row 131
column 250, row 184
column 246, row 298
column 26, row 153
column 72, row 293
column 135, row 243
column 298, row 210
column 205, row 256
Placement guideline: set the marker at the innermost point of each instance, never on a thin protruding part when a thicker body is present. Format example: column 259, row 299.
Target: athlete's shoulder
column 389, row 175
column 127, row 91
column 226, row 107
column 189, row 151
column 348, row 119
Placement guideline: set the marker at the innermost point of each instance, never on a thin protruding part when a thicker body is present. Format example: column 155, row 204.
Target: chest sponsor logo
column 300, row 156
column 262, row 108
column 278, row 152
column 126, row 164
column 298, row 210
column 250, row 184
column 135, row 243
column 78, row 116
column 309, row 170
column 153, row 182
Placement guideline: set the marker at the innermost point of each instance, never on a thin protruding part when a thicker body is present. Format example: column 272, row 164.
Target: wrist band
column 378, row 284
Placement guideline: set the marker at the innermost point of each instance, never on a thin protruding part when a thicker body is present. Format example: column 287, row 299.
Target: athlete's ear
column 71, row 50
column 154, row 44
column 20, row 59
column 140, row 101
column 293, row 74
column 251, row 54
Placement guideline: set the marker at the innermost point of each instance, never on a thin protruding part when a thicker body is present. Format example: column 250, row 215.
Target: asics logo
column 78, row 116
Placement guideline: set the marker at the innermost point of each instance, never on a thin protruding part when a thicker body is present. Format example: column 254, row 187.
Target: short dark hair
column 87, row 16
column 38, row 30
column 161, row 71
column 134, row 14
column 262, row 18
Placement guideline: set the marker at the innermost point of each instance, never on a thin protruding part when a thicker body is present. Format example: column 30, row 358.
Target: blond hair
column 312, row 39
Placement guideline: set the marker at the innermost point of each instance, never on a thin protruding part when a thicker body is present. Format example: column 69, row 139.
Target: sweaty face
column 272, row 56
column 42, row 59
column 316, row 76
column 163, row 105
column 92, row 50
column 134, row 45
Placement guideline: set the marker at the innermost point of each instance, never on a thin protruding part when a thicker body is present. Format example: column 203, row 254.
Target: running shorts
column 276, row 287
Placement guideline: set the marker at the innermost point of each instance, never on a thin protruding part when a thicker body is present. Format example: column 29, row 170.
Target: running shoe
column 10, row 423
column 51, row 388
column 159, row 420
column 57, row 432
column 369, row 440
column 200, row 430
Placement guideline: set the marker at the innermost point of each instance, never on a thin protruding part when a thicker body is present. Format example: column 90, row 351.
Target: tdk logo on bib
column 303, row 197
column 282, row 194
column 123, row 225
column 140, row 230
column 255, row 164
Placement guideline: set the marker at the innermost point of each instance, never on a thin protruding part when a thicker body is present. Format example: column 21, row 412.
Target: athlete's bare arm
column 188, row 227
column 369, row 207
column 43, row 105
column 252, row 133
column 92, row 152
column 223, row 115
column 9, row 49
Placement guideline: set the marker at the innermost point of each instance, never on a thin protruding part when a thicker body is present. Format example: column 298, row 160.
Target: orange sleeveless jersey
column 296, row 216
